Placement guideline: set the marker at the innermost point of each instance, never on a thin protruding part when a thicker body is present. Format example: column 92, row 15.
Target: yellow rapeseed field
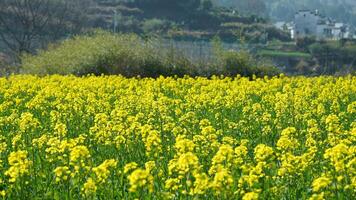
column 110, row 137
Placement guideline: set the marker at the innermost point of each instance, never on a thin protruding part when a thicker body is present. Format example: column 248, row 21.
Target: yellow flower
column 130, row 166
column 62, row 173
column 229, row 140
column 89, row 187
column 41, row 141
column 60, row 129
column 240, row 154
column 201, row 184
column 187, row 132
column 250, row 196
column 172, row 184
column 140, row 179
column 204, row 123
column 2, row 193
column 224, row 157
column 19, row 165
column 263, row 153
column 187, row 162
column 102, row 171
column 317, row 196
column 321, row 183
column 153, row 143
column 27, row 122
column 332, row 123
column 79, row 154
column 286, row 143
column 150, row 165
column 290, row 131
column 292, row 164
column 338, row 155
column 351, row 108
column 222, row 181
column 3, row 145
column 183, row 145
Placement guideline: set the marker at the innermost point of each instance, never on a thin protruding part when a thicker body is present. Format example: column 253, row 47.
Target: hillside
column 188, row 19
column 341, row 10
column 174, row 19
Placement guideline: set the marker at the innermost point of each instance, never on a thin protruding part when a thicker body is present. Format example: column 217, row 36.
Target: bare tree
column 27, row 24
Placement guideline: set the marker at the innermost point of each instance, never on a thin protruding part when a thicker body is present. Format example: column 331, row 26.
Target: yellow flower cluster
column 110, row 137
column 89, row 187
column 19, row 165
column 102, row 171
column 101, row 174
column 141, row 179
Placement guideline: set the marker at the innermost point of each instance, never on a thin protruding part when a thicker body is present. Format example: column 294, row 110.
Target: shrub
column 231, row 63
column 130, row 55
column 243, row 63
column 96, row 53
column 237, row 63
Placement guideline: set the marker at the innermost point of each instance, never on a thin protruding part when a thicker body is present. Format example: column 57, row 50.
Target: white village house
column 309, row 23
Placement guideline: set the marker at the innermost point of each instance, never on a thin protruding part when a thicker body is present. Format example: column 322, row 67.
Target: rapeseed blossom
column 110, row 137
column 250, row 196
column 102, row 171
column 89, row 187
column 140, row 179
column 19, row 165
column 321, row 183
column 62, row 173
column 130, row 166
